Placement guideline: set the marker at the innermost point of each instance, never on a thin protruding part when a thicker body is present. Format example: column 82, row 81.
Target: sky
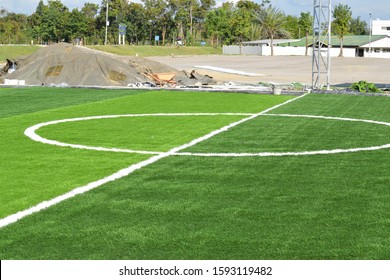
column 378, row 8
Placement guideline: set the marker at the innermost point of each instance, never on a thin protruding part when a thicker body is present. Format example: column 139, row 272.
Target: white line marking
column 127, row 171
column 303, row 153
column 31, row 131
column 229, row 71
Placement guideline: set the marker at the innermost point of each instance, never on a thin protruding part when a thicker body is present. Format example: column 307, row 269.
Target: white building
column 381, row 27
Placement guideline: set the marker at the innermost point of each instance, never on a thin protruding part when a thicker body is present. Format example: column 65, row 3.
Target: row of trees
column 191, row 20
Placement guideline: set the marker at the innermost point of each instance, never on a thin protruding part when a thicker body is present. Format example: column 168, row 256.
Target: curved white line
column 304, row 153
column 281, row 154
column 329, row 118
column 31, row 133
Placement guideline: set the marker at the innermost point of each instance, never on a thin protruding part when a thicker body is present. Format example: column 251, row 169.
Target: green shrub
column 363, row 86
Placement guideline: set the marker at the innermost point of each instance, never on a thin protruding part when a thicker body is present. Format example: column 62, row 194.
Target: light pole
column 370, row 37
column 105, row 40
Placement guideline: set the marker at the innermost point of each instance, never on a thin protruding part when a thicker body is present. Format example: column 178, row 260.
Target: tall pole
column 370, row 37
column 321, row 44
column 105, row 40
column 329, row 33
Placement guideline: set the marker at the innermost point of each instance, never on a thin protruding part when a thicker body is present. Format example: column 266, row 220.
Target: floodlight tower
column 321, row 44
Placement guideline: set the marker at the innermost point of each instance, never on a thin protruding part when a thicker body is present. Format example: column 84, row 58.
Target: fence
column 279, row 51
column 244, row 50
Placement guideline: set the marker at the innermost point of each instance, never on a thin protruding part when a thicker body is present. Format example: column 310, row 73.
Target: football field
column 119, row 174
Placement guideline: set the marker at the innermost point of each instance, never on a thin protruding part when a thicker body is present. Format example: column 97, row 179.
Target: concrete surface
column 284, row 69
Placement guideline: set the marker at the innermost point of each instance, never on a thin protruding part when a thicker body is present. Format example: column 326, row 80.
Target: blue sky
column 378, row 8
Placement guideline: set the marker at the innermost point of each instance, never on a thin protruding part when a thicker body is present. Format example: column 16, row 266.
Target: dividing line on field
column 127, row 171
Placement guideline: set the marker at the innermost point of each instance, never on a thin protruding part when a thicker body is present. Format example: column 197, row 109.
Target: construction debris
column 162, row 79
column 68, row 65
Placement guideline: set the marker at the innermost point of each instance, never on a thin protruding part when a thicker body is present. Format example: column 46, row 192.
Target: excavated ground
column 68, row 65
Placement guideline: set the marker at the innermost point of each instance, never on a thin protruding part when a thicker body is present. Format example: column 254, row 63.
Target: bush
column 363, row 86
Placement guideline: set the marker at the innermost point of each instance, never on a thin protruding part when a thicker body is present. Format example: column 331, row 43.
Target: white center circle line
column 31, row 132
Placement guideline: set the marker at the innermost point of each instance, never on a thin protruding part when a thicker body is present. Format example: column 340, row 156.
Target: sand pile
column 68, row 65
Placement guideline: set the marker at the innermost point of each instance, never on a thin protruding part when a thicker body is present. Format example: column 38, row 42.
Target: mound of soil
column 69, row 65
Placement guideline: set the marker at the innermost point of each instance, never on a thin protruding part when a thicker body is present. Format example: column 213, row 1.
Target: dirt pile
column 68, row 65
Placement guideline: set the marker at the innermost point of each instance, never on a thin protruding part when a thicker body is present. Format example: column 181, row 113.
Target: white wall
column 301, row 51
column 334, row 52
column 379, row 27
column 285, row 50
column 376, row 55
column 382, row 43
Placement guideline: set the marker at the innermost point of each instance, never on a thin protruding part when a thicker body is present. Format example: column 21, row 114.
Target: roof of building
column 268, row 41
column 349, row 41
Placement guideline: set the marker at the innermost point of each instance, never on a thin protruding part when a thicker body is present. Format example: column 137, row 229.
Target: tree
column 243, row 18
column 291, row 25
column 77, row 25
column 264, row 3
column 358, row 27
column 50, row 22
column 55, row 21
column 36, row 22
column 135, row 21
column 272, row 20
column 185, row 15
column 157, row 16
column 90, row 12
column 217, row 26
column 305, row 23
column 13, row 28
column 200, row 17
column 342, row 15
column 116, row 15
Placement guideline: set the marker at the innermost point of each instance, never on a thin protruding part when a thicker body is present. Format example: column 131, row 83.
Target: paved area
column 284, row 69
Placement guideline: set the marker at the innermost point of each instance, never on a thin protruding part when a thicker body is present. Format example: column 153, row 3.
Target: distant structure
column 381, row 27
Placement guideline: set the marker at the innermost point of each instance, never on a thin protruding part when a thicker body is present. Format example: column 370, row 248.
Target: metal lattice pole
column 321, row 44
column 105, row 38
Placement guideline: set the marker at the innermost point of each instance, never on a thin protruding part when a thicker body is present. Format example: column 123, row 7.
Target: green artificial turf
column 183, row 207
column 156, row 134
column 295, row 134
column 18, row 101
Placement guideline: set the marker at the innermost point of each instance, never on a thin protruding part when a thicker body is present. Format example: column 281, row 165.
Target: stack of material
column 68, row 65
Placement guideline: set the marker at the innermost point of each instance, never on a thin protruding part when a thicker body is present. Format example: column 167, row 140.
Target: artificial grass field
column 186, row 207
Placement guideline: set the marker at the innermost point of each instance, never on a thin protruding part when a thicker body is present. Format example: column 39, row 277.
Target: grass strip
column 12, row 52
column 145, row 51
